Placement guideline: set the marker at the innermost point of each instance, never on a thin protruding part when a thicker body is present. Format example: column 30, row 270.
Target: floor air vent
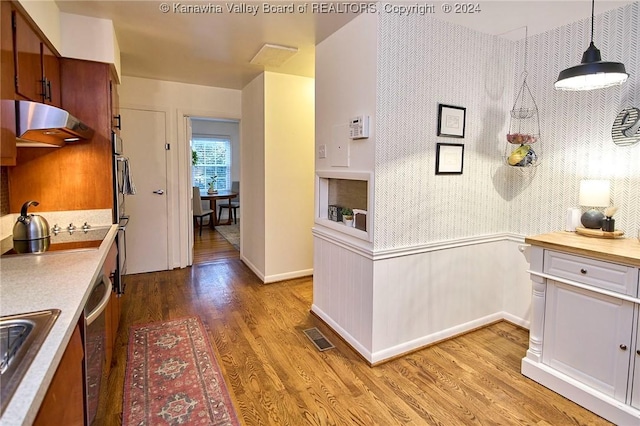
column 318, row 339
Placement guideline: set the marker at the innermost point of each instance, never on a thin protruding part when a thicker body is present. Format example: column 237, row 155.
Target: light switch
column 322, row 151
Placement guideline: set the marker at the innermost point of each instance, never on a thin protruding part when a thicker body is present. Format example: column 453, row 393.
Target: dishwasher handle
column 91, row 316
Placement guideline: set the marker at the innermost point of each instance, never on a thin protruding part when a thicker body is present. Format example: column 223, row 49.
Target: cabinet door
column 28, row 60
column 635, row 387
column 588, row 337
column 51, row 68
column 116, row 123
column 8, row 150
column 63, row 403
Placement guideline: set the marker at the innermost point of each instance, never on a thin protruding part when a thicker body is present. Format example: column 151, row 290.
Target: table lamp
column 593, row 193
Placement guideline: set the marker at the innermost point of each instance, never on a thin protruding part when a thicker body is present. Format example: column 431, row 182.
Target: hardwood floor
column 277, row 377
column 212, row 246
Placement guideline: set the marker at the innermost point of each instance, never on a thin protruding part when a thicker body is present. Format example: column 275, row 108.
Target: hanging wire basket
column 524, row 146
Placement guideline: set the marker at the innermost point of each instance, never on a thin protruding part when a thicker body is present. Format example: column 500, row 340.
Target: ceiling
column 214, row 49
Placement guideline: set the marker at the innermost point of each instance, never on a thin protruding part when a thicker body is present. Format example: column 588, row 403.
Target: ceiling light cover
column 593, row 72
column 273, row 55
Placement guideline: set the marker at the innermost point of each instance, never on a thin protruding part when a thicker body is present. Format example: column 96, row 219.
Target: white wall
column 289, row 175
column 388, row 305
column 93, row 39
column 46, row 15
column 76, row 36
column 179, row 100
column 277, row 176
column 345, row 88
column 252, row 175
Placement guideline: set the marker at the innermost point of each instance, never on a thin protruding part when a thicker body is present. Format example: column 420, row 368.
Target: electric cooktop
column 60, row 239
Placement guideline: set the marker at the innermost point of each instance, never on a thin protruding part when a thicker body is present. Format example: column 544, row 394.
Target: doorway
column 215, row 148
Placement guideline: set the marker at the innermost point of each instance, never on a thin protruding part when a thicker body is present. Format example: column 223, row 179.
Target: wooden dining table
column 213, row 200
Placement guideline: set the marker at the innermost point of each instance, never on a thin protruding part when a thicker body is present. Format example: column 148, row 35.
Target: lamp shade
column 594, row 193
column 592, row 73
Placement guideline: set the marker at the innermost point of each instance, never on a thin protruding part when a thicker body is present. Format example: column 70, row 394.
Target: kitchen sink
column 20, row 339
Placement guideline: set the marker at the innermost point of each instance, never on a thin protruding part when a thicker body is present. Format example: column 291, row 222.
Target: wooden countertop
column 619, row 250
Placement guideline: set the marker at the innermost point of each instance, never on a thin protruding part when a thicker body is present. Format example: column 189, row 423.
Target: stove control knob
column 56, row 229
column 86, row 226
column 71, row 227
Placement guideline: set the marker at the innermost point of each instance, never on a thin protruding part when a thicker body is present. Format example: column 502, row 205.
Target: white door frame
column 185, row 193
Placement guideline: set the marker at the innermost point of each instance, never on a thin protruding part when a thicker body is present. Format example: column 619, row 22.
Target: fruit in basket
column 520, row 138
column 518, row 155
column 522, row 156
column 528, row 159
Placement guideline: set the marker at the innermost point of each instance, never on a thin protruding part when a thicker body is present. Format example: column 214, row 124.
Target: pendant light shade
column 592, row 73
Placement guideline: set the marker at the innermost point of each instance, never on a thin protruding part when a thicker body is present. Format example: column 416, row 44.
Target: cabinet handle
column 48, row 90
column 583, row 271
column 623, row 346
column 44, row 89
column 119, row 125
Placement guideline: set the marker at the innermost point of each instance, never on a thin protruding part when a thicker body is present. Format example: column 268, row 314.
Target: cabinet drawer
column 605, row 275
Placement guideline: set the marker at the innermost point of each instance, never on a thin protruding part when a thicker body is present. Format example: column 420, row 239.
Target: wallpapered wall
column 576, row 126
column 423, row 62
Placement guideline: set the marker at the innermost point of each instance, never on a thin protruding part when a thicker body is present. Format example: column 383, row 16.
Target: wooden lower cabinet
column 112, row 323
column 64, row 402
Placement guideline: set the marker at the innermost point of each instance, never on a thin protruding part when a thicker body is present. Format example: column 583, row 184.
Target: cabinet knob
column 583, row 271
column 623, row 346
column 638, row 351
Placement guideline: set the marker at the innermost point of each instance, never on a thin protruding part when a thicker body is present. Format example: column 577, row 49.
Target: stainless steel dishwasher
column 95, row 343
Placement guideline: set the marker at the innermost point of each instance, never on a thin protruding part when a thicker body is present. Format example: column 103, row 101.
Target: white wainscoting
column 391, row 306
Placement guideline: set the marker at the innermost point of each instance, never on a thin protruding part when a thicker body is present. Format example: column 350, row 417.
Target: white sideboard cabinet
column 584, row 340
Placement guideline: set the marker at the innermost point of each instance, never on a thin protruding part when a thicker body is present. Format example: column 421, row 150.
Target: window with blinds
column 214, row 159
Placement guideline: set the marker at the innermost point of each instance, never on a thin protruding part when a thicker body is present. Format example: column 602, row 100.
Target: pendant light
column 593, row 72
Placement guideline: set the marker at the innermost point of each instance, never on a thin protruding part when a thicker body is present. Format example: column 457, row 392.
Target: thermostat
column 359, row 127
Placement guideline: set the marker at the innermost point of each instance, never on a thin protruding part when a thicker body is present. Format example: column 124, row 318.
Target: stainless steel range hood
column 47, row 126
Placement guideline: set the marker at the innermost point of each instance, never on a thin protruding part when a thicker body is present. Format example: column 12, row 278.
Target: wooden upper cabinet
column 37, row 68
column 28, row 60
column 7, row 108
column 51, row 76
column 116, row 121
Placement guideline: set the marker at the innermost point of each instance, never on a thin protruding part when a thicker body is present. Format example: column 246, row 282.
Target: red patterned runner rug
column 173, row 377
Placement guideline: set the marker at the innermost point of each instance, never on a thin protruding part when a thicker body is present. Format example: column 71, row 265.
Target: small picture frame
column 451, row 121
column 449, row 158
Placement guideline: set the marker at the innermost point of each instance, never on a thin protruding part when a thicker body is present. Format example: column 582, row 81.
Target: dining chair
column 200, row 212
column 233, row 205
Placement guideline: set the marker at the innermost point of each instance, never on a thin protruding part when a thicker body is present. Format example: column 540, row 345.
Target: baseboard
column 520, row 322
column 405, row 348
column 270, row 279
column 253, row 267
column 378, row 358
column 342, row 334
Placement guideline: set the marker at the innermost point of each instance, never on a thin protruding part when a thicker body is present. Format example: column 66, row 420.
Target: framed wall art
column 449, row 158
column 451, row 121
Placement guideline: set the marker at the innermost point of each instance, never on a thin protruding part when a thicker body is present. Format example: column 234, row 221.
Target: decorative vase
column 348, row 221
column 592, row 219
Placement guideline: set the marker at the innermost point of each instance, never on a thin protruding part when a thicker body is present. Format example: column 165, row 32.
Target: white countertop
column 54, row 280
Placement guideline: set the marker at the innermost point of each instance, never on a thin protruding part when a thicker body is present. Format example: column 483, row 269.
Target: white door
column 144, row 137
